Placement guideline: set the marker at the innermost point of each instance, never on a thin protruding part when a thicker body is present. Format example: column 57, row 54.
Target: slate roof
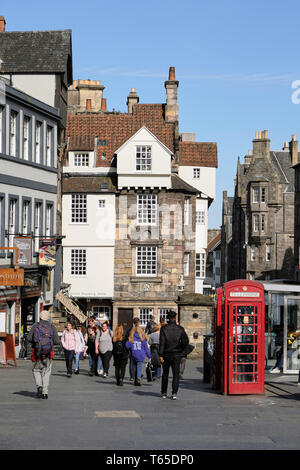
column 282, row 163
column 35, row 51
column 179, row 184
column 88, row 184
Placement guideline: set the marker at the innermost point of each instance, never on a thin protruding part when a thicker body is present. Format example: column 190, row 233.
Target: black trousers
column 105, row 358
column 120, row 366
column 69, row 355
column 173, row 362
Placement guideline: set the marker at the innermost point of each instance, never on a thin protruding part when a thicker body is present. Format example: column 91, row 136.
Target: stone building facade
column 157, row 247
column 263, row 213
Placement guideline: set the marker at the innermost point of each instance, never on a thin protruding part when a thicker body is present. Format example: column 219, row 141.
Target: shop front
column 282, row 299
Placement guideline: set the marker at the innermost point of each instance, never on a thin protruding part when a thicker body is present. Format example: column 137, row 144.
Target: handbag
column 150, row 372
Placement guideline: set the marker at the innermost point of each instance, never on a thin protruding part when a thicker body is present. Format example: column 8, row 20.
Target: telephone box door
column 245, row 348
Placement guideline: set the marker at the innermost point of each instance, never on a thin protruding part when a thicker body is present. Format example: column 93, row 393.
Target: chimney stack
column 261, row 145
column 132, row 99
column 171, row 109
column 2, row 24
column 294, row 149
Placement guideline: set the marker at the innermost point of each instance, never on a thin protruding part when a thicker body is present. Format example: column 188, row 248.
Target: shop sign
column 32, row 280
column 12, row 277
column 71, row 306
column 47, row 252
column 24, row 252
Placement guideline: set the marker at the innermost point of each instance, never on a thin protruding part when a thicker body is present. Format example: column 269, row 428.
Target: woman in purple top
column 138, row 347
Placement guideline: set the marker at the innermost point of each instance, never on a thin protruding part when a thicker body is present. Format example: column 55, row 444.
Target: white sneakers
column 276, row 370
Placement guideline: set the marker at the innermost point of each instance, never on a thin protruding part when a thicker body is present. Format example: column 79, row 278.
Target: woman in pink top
column 70, row 343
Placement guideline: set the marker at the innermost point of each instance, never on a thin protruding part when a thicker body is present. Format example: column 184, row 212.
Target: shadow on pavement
column 25, row 393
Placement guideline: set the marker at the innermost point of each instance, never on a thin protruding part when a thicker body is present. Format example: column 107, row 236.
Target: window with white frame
column 78, row 262
column 143, row 158
column 186, row 264
column 262, row 222
column 263, row 194
column 252, row 253
column 147, row 209
column 186, row 210
column 26, row 124
column 255, row 223
column 200, row 265
column 144, row 315
column 101, row 203
column 101, row 312
column 256, row 194
column 38, row 141
column 196, row 172
column 200, row 217
column 37, row 224
column 13, row 133
column 49, row 133
column 81, row 159
column 48, row 221
column 163, row 313
column 12, row 220
column 79, row 209
column 26, row 218
column 268, row 252
column 146, row 260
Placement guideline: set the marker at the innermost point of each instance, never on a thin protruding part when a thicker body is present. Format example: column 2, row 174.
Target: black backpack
column 118, row 347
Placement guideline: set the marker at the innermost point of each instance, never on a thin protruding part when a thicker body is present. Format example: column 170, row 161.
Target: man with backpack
column 43, row 336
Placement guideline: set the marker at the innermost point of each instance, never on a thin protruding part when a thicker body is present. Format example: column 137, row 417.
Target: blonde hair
column 136, row 329
column 118, row 333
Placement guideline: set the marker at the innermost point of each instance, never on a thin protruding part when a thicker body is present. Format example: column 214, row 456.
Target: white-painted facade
column 97, row 237
column 155, row 174
column 40, row 86
column 204, row 180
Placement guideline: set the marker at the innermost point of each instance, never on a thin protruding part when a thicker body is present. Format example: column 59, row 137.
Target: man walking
column 43, row 336
column 173, row 341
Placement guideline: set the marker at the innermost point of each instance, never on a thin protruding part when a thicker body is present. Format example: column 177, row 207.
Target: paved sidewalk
column 93, row 413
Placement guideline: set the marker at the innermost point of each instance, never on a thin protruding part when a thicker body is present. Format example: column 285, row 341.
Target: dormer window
column 81, row 159
column 143, row 158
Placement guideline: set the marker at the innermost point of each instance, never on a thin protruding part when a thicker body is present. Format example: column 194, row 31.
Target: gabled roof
column 36, row 52
column 152, row 135
column 198, row 154
column 116, row 128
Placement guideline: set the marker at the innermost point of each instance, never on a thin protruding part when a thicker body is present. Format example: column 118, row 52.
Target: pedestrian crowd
column 165, row 345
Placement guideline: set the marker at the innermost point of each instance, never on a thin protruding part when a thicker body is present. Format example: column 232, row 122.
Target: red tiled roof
column 198, row 154
column 116, row 129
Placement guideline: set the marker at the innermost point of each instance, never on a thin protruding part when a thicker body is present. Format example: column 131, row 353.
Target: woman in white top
column 82, row 347
column 104, row 346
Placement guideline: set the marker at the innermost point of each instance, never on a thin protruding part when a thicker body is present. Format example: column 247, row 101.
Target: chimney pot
column 293, row 136
column 2, row 24
column 172, row 73
column 88, row 104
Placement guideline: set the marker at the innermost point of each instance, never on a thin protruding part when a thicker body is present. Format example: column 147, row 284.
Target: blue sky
column 235, row 60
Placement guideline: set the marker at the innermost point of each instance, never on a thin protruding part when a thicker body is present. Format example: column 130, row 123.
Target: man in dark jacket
column 173, row 341
column 42, row 364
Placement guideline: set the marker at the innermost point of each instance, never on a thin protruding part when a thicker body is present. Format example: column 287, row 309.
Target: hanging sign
column 47, row 252
column 25, row 251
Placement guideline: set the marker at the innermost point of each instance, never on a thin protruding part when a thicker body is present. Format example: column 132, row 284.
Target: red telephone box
column 240, row 338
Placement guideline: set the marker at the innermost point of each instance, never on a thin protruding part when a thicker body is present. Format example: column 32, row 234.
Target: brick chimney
column 294, row 149
column 261, row 145
column 132, row 99
column 171, row 109
column 88, row 105
column 2, row 24
column 103, row 104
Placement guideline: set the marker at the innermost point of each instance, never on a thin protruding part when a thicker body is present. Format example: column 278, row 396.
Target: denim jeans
column 137, row 369
column 158, row 372
column 99, row 363
column 76, row 357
